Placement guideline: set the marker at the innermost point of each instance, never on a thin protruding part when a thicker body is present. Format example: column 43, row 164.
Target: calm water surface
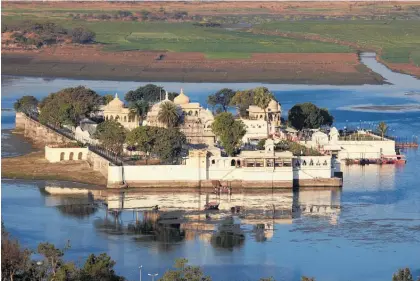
column 365, row 231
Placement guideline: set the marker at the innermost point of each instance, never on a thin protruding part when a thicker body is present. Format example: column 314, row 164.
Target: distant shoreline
column 116, row 67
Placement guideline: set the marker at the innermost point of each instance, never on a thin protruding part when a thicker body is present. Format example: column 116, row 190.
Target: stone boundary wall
column 57, row 154
column 41, row 134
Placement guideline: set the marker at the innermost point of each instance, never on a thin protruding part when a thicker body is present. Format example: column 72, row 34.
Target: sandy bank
column 90, row 62
column 33, row 166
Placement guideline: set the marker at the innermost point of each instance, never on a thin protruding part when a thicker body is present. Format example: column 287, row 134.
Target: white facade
column 352, row 149
column 57, row 154
column 255, row 130
column 115, row 110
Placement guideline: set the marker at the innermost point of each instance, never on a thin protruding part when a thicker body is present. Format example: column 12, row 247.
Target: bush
column 82, row 35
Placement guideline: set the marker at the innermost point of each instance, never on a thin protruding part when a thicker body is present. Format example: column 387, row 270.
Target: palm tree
column 382, row 128
column 168, row 114
column 139, row 108
column 262, row 98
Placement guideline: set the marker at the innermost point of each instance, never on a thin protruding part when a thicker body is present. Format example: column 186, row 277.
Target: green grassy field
column 398, row 40
column 185, row 37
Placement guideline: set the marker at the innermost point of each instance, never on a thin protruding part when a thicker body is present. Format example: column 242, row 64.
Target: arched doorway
column 79, row 156
column 71, row 156
column 61, row 156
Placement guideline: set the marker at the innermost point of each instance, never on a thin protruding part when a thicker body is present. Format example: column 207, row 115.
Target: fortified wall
column 54, row 152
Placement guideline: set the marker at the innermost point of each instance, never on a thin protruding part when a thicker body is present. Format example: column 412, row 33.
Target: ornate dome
column 274, row 106
column 182, row 98
column 116, row 103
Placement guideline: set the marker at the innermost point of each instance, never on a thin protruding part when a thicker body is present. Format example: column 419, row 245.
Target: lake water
column 368, row 230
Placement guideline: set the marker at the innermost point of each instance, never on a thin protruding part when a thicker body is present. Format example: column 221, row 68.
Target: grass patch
column 395, row 39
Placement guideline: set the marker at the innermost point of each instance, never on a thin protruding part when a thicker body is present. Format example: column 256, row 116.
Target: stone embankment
column 43, row 136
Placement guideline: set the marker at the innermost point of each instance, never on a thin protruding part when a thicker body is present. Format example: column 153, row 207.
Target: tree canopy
column 221, row 99
column 82, row 35
column 184, row 272
column 242, row 100
column 382, row 128
column 112, row 135
column 27, row 105
column 229, row 131
column 69, row 106
column 164, row 143
column 139, row 108
column 309, row 116
column 149, row 93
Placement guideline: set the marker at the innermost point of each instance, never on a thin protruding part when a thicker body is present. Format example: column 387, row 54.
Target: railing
column 101, row 151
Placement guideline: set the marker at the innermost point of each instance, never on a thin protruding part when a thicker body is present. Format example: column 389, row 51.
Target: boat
column 211, row 206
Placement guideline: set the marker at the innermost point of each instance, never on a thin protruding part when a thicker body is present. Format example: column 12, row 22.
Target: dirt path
column 34, row 166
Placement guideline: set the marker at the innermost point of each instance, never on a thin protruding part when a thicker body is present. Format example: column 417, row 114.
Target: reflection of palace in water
column 182, row 216
column 371, row 177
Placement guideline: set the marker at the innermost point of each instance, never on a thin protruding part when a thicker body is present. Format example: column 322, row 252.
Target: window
column 71, row 156
column 62, row 156
column 311, row 163
column 304, row 163
column 213, row 161
column 233, row 162
column 79, row 156
column 297, row 164
column 238, row 163
column 190, row 113
column 125, row 118
column 325, row 163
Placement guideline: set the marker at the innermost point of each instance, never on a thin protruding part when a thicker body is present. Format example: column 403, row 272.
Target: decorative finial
column 182, row 92
column 166, row 95
column 116, row 95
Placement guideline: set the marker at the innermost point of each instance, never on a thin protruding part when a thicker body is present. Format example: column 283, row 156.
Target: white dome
column 273, row 106
column 182, row 98
column 116, row 103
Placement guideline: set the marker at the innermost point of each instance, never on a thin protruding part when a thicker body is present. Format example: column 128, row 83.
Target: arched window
column 233, row 162
column 311, row 163
column 117, row 118
column 125, row 118
column 71, row 156
column 106, row 118
column 79, row 156
column 318, row 163
column 297, row 164
column 304, row 163
column 196, row 113
column 238, row 163
column 213, row 161
column 325, row 163
column 111, row 118
column 61, row 156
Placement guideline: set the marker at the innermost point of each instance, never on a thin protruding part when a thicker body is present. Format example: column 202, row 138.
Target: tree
column 27, row 105
column 139, row 108
column 100, row 268
column 304, row 278
column 184, row 272
column 164, row 143
column 308, row 116
column 82, row 35
column 229, row 131
column 149, row 93
column 14, row 259
column 402, row 275
column 262, row 98
column 382, row 128
column 112, row 135
column 53, row 257
column 69, row 106
column 221, row 98
column 169, row 145
column 143, row 139
column 242, row 100
column 107, row 99
column 328, row 118
column 168, row 114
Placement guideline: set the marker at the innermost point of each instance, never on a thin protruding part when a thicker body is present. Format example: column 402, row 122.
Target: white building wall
column 320, row 168
column 54, row 154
